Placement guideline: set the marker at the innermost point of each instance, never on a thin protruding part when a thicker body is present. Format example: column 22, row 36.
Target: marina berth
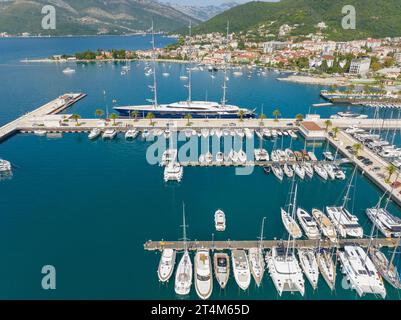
column 361, row 272
column 284, row 270
column 166, row 265
column 327, row 267
column 222, row 268
column 241, row 270
column 308, row 224
column 203, row 274
column 309, row 265
column 388, row 224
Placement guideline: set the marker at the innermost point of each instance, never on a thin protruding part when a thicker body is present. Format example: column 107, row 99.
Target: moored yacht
column 289, row 172
column 241, row 269
column 95, row 133
column 386, row 268
column 285, row 271
column 330, row 171
column 203, row 274
column 220, row 220
column 173, row 172
column 309, row 265
column 308, row 169
column 299, row 170
column 131, row 134
column 257, row 264
column 278, row 172
column 388, row 224
column 166, row 265
column 361, row 272
column 291, row 225
column 109, row 134
column 327, row 267
column 261, row 155
column 5, row 166
column 321, row 172
column 325, row 225
column 308, row 224
column 222, row 268
column 346, row 223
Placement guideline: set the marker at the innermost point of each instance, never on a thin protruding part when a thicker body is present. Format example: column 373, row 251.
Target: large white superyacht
column 361, row 272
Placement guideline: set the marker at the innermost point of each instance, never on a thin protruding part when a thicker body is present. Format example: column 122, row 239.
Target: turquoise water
column 88, row 207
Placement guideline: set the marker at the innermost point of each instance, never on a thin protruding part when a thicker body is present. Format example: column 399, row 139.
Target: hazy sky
column 207, row 2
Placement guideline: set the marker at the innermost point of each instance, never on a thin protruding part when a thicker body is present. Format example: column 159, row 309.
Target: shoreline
column 317, row 80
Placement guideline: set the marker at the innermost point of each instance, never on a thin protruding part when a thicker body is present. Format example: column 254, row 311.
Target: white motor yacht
column 170, row 155
column 309, row 265
column 109, row 134
column 361, row 272
column 388, row 224
column 328, row 156
column 131, row 134
column 5, row 166
column 242, row 273
column 242, row 156
column 166, row 265
column 285, row 271
column 203, row 274
column 173, row 172
column 220, row 220
column 326, row 226
column 95, row 133
column 222, row 268
column 261, row 155
column 308, row 224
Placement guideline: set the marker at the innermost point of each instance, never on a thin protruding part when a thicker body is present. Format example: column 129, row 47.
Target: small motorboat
column 220, row 220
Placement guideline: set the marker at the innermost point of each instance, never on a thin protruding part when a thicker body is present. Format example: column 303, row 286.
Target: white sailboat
column 203, row 274
column 288, row 218
column 256, row 260
column 320, row 171
column 242, row 273
column 326, row 226
column 166, row 265
column 327, row 267
column 309, row 265
column 183, row 275
column 278, row 172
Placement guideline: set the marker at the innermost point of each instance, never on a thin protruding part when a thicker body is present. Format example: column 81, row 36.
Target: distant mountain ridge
column 373, row 18
column 87, row 17
column 201, row 12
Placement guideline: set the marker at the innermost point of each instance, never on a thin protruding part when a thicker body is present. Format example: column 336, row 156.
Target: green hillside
column 87, row 17
column 374, row 18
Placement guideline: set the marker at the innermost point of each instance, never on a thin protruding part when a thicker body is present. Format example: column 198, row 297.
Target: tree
column 328, row 124
column 76, row 117
column 114, row 116
column 357, row 147
column 241, row 114
column 276, row 114
column 150, row 116
column 99, row 113
column 391, row 169
column 299, row 117
column 134, row 114
column 188, row 116
column 335, row 132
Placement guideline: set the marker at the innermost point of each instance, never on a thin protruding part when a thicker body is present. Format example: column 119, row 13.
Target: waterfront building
column 360, row 66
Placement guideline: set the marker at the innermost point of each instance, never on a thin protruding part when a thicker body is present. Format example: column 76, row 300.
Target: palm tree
column 188, row 116
column 276, row 114
column 241, row 114
column 299, row 117
column 328, row 124
column 357, row 147
column 99, row 113
column 150, row 116
column 335, row 131
column 391, row 169
column 134, row 114
column 76, row 117
column 262, row 116
column 114, row 116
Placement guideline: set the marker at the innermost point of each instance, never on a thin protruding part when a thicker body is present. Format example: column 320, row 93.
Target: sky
column 207, row 2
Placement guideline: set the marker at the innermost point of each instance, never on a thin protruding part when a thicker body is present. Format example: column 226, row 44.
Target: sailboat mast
column 346, row 198
column 261, row 233
column 224, row 99
column 155, row 103
column 190, row 60
column 184, row 226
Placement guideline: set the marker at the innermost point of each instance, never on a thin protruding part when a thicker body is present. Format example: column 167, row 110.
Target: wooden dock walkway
column 267, row 244
column 53, row 107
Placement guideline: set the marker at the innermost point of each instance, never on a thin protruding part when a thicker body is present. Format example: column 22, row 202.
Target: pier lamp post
column 212, row 242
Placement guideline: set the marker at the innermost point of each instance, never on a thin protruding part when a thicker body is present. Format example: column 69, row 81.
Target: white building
column 360, row 66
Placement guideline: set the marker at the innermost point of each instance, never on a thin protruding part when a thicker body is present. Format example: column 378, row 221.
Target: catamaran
column 309, row 265
column 222, row 268
column 361, row 272
column 388, row 224
column 203, row 274
column 308, row 224
column 166, row 265
column 181, row 109
column 173, row 172
column 242, row 273
column 284, row 270
column 183, row 275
